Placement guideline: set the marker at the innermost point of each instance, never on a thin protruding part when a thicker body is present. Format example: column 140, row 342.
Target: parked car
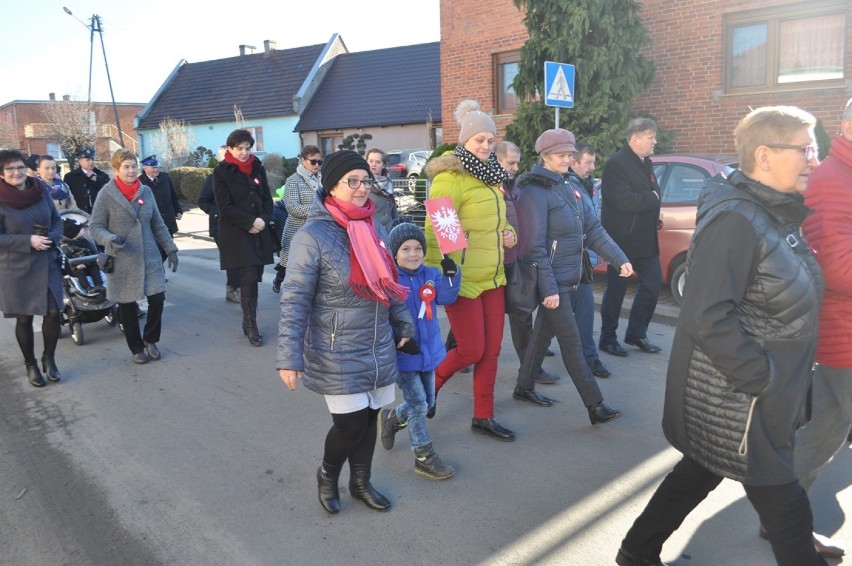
column 407, row 162
column 681, row 178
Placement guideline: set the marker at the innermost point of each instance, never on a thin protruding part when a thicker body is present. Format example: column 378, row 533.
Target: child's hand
column 410, row 347
column 449, row 267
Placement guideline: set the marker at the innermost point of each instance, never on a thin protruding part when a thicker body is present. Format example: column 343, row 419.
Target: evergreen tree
column 603, row 39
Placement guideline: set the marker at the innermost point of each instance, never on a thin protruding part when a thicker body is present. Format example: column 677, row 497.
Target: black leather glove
column 449, row 266
column 410, row 347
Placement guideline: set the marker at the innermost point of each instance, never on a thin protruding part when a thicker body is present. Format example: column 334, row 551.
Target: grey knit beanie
column 402, row 233
column 472, row 121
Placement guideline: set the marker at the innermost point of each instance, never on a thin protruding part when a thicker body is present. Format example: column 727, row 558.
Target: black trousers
column 644, row 303
column 153, row 322
column 783, row 509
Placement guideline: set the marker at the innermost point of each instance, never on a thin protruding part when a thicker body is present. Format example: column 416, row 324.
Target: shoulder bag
column 521, row 288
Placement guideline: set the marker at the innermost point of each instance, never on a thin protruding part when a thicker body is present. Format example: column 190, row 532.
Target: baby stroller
column 82, row 282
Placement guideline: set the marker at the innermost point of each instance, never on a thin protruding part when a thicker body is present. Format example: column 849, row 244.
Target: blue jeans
column 583, row 303
column 418, row 394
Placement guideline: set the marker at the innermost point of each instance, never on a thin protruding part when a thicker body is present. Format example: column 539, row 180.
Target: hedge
column 188, row 181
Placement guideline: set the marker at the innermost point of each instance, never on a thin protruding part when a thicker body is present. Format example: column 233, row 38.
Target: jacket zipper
column 333, row 330
column 464, row 251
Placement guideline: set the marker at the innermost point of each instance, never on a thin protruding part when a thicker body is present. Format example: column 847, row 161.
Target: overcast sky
column 45, row 50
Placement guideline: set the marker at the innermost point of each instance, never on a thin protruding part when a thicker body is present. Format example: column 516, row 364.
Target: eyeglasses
column 809, row 151
column 315, row 161
column 354, row 182
column 18, row 169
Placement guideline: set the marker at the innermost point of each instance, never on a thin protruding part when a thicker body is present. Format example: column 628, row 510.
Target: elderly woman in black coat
column 342, row 318
column 30, row 280
column 744, row 347
column 245, row 209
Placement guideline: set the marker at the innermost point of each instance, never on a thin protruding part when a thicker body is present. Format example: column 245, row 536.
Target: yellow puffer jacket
column 482, row 213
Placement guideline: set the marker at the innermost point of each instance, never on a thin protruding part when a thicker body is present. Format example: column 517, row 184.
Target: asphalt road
column 205, row 458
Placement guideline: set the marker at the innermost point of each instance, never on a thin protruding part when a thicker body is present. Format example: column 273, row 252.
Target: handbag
column 588, row 275
column 273, row 233
column 521, row 288
column 106, row 262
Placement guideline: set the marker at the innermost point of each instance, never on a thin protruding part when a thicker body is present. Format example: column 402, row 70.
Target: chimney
column 269, row 45
column 52, row 97
column 246, row 49
column 66, row 98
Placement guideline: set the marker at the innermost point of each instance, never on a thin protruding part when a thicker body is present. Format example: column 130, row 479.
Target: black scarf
column 491, row 173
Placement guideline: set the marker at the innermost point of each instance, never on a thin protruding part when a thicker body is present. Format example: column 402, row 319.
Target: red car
column 681, row 178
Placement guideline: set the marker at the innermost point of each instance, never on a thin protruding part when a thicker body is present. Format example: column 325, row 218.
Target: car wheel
column 678, row 281
column 77, row 333
column 111, row 316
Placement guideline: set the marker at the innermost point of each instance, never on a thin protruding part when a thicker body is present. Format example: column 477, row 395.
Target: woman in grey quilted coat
column 299, row 191
column 30, row 280
column 342, row 317
column 126, row 222
column 744, row 347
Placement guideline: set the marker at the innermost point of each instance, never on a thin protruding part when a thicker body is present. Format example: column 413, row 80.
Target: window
column 257, row 134
column 683, row 183
column 789, row 46
column 328, row 143
column 506, row 69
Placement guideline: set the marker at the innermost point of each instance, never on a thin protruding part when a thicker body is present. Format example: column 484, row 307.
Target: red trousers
column 478, row 327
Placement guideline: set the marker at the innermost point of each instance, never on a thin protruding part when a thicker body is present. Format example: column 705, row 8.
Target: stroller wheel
column 111, row 317
column 77, row 333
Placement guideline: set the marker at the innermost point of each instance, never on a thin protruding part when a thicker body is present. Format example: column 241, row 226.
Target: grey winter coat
column 341, row 342
column 744, row 347
column 138, row 265
column 27, row 275
column 384, row 200
column 299, row 191
column 555, row 221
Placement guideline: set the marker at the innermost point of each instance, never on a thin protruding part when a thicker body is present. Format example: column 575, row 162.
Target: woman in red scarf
column 30, row 281
column 242, row 194
column 342, row 317
column 126, row 222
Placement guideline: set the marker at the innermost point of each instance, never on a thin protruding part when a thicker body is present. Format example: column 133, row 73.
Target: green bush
column 188, row 181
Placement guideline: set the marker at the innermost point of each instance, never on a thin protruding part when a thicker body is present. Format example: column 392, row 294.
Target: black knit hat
column 402, row 233
column 338, row 164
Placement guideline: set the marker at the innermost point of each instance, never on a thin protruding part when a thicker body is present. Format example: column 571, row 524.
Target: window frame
column 501, row 105
column 772, row 17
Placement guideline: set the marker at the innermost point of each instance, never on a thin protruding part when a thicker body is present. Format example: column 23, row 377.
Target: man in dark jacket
column 164, row 192
column 743, row 351
column 630, row 213
column 86, row 181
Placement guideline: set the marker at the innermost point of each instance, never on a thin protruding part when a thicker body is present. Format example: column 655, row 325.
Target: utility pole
column 95, row 26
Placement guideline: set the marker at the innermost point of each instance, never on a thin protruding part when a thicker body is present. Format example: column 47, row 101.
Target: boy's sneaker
column 389, row 425
column 429, row 465
column 276, row 285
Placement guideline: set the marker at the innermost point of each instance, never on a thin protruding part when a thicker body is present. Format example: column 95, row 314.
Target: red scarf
column 245, row 167
column 372, row 273
column 13, row 198
column 129, row 191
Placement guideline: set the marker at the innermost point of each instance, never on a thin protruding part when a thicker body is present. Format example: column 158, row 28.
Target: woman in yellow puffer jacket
column 471, row 177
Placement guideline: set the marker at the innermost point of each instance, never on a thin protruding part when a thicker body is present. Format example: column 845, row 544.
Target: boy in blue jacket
column 418, row 360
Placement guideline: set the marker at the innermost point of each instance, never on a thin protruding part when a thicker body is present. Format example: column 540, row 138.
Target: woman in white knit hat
column 471, row 176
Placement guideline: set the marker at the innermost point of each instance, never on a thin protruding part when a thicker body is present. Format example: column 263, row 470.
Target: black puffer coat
column 555, row 221
column 341, row 342
column 744, row 347
column 242, row 198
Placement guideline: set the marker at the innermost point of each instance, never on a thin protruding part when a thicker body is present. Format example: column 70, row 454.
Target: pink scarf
column 372, row 273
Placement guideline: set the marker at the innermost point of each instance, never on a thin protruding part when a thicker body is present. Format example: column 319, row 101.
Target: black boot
column 48, row 366
column 249, row 305
column 34, row 375
column 329, row 497
column 361, row 489
column 389, row 425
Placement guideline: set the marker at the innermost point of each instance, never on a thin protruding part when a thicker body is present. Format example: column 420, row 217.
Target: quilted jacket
column 743, row 350
column 482, row 214
column 341, row 342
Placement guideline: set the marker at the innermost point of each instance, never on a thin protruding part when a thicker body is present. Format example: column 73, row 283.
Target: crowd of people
column 754, row 392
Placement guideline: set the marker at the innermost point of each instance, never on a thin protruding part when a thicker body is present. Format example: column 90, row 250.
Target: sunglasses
column 314, row 161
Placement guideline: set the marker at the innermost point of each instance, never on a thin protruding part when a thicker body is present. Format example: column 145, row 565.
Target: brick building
column 714, row 60
column 24, row 125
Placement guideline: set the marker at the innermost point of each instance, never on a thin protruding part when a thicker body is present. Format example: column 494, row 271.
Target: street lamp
column 95, row 26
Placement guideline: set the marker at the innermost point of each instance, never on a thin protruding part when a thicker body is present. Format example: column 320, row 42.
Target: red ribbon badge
column 577, row 194
column 141, row 202
column 427, row 295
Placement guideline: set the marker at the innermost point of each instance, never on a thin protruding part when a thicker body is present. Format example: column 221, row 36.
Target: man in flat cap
column 164, row 192
column 87, row 180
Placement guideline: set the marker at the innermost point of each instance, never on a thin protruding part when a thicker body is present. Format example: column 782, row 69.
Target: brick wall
column 687, row 48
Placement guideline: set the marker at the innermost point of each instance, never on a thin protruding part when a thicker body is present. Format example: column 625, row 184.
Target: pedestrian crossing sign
column 558, row 84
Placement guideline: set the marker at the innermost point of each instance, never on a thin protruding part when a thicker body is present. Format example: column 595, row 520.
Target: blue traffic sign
column 558, row 84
